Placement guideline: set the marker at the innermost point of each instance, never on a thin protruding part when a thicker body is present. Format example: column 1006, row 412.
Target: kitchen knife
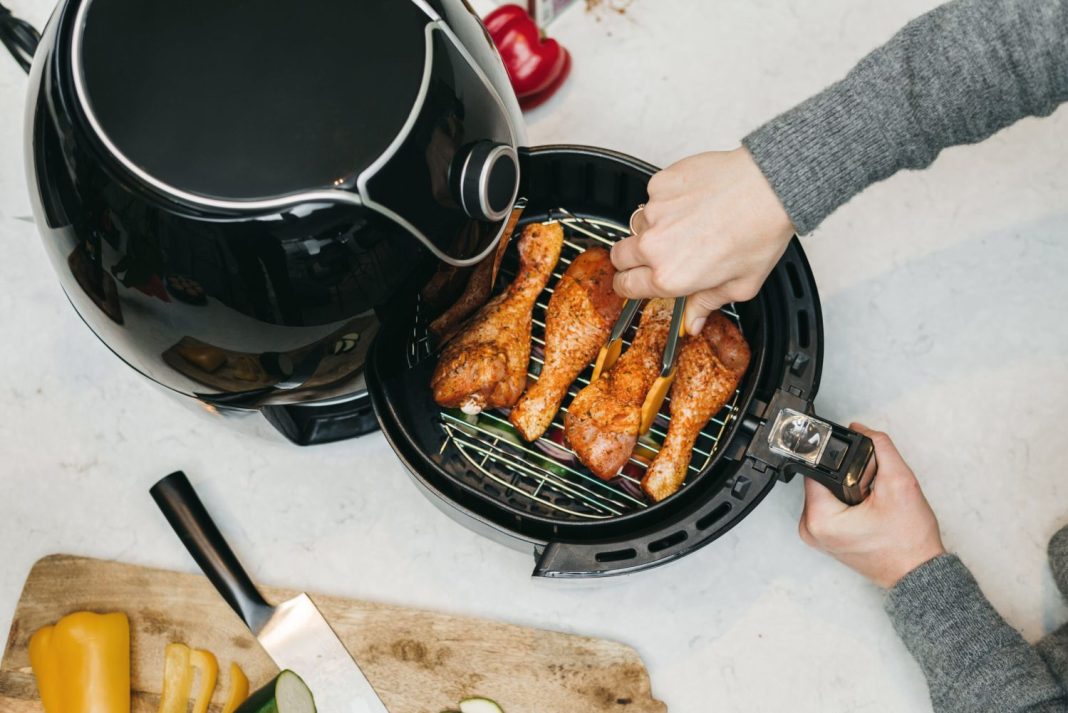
column 293, row 633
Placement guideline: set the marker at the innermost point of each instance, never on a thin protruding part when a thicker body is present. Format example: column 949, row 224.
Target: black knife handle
column 191, row 522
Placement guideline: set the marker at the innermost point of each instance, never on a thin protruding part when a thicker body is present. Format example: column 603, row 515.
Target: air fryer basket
column 502, row 487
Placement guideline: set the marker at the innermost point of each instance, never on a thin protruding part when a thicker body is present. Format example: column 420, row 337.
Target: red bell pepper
column 534, row 63
column 535, row 100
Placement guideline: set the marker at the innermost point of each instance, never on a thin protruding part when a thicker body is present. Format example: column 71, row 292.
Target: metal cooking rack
column 545, row 476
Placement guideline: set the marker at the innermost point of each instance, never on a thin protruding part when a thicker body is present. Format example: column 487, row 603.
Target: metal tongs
column 613, row 348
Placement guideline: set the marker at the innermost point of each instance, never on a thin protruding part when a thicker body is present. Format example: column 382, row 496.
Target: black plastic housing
column 167, row 249
column 315, row 423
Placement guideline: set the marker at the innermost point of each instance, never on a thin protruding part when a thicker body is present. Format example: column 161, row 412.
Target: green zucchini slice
column 479, row 705
column 287, row 693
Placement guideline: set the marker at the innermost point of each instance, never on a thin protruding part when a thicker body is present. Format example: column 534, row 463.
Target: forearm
column 953, row 76
column 973, row 660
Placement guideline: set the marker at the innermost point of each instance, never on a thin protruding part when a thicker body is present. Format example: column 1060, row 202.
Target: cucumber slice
column 479, row 705
column 287, row 693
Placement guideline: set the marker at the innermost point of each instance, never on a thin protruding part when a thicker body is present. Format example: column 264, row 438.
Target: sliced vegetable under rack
column 545, row 474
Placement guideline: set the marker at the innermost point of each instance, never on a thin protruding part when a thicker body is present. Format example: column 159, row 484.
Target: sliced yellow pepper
column 177, row 679
column 204, row 661
column 82, row 664
column 238, row 689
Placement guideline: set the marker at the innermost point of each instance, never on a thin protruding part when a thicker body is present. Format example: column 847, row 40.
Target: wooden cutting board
column 418, row 661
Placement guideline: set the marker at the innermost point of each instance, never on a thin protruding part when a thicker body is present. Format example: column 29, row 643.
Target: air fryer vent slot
column 802, row 329
column 617, row 555
column 713, row 517
column 666, row 543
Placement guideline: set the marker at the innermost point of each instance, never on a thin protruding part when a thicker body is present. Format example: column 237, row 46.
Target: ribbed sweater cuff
column 822, row 152
column 1053, row 648
column 924, row 596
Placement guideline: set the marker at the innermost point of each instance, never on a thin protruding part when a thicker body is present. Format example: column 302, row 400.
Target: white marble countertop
column 943, row 296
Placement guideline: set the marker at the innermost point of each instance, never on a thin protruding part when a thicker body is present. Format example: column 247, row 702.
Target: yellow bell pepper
column 238, row 689
column 177, row 679
column 204, row 661
column 46, row 669
column 82, row 664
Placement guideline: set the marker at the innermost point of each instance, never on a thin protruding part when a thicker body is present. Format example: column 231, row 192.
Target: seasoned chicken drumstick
column 476, row 291
column 603, row 420
column 708, row 370
column 485, row 365
column 581, row 313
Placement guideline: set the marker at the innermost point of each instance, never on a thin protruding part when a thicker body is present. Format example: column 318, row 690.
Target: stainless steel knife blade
column 298, row 637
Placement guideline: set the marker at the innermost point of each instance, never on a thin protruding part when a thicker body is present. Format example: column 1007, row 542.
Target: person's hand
column 714, row 230
column 883, row 538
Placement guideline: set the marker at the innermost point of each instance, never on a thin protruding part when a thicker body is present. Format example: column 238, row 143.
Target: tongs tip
column 614, row 346
column 655, row 398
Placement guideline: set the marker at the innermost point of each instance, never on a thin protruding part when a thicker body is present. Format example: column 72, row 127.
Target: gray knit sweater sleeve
column 953, row 76
column 974, row 661
column 1054, row 646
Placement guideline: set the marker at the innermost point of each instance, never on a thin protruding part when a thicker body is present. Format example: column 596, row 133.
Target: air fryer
column 234, row 195
column 246, row 204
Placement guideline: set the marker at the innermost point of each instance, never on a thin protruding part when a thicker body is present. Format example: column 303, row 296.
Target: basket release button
column 834, row 454
column 741, row 487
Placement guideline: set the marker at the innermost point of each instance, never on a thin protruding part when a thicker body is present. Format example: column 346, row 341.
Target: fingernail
column 696, row 326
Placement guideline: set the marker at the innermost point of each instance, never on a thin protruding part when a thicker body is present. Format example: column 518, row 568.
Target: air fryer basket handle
column 847, row 468
column 191, row 522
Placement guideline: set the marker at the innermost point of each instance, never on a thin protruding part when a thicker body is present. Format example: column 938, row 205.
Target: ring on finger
column 637, row 220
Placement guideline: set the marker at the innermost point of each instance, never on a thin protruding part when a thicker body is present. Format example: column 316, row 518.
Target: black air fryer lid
column 253, row 106
column 245, row 100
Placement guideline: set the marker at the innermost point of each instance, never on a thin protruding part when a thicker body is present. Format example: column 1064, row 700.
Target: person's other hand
column 883, row 538
column 714, row 230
